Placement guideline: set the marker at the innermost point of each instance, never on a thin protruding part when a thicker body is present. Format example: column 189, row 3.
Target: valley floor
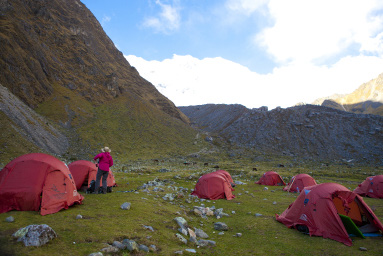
column 104, row 222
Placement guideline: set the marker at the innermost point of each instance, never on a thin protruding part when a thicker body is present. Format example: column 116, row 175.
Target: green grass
column 129, row 125
column 104, row 222
column 138, row 130
column 62, row 100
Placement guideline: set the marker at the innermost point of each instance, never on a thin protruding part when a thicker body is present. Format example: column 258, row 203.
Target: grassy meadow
column 104, row 222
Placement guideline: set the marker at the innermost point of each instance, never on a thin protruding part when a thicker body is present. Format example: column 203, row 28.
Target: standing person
column 104, row 163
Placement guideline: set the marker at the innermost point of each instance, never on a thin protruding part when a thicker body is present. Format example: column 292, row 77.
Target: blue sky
column 250, row 52
column 199, row 28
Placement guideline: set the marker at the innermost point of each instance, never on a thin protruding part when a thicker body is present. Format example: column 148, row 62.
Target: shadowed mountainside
column 308, row 131
column 56, row 58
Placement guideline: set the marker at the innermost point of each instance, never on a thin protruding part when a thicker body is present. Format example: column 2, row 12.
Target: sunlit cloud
column 305, row 30
column 308, row 30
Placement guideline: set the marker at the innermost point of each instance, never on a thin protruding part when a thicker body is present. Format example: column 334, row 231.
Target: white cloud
column 105, row 19
column 373, row 45
column 245, row 6
column 186, row 80
column 303, row 37
column 305, row 30
column 167, row 20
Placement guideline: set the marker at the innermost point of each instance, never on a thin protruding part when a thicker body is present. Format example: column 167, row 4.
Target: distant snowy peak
column 187, row 80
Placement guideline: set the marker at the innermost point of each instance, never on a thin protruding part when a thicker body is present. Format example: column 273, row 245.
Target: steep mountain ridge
column 308, row 131
column 56, row 58
column 61, row 42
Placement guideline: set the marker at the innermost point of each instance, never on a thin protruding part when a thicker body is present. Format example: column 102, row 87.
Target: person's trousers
column 104, row 175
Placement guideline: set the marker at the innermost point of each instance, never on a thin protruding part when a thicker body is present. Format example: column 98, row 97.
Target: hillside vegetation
column 64, row 73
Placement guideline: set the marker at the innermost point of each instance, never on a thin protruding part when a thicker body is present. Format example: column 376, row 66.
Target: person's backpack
column 91, row 187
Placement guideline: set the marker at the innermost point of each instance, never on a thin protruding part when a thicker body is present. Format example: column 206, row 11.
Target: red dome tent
column 319, row 210
column 298, row 182
column 271, row 179
column 215, row 185
column 37, row 181
column 226, row 174
column 85, row 171
column 371, row 187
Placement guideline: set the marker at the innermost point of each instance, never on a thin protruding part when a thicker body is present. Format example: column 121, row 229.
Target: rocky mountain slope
column 367, row 99
column 56, row 58
column 56, row 42
column 307, row 131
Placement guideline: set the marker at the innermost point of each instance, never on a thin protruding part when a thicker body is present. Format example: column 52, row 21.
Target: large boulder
column 35, row 235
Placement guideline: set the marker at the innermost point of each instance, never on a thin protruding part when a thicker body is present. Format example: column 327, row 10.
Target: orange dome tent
column 37, row 181
column 298, row 182
column 85, row 171
column 215, row 185
column 271, row 179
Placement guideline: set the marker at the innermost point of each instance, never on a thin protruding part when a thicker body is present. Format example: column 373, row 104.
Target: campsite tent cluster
column 329, row 210
column 40, row 182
